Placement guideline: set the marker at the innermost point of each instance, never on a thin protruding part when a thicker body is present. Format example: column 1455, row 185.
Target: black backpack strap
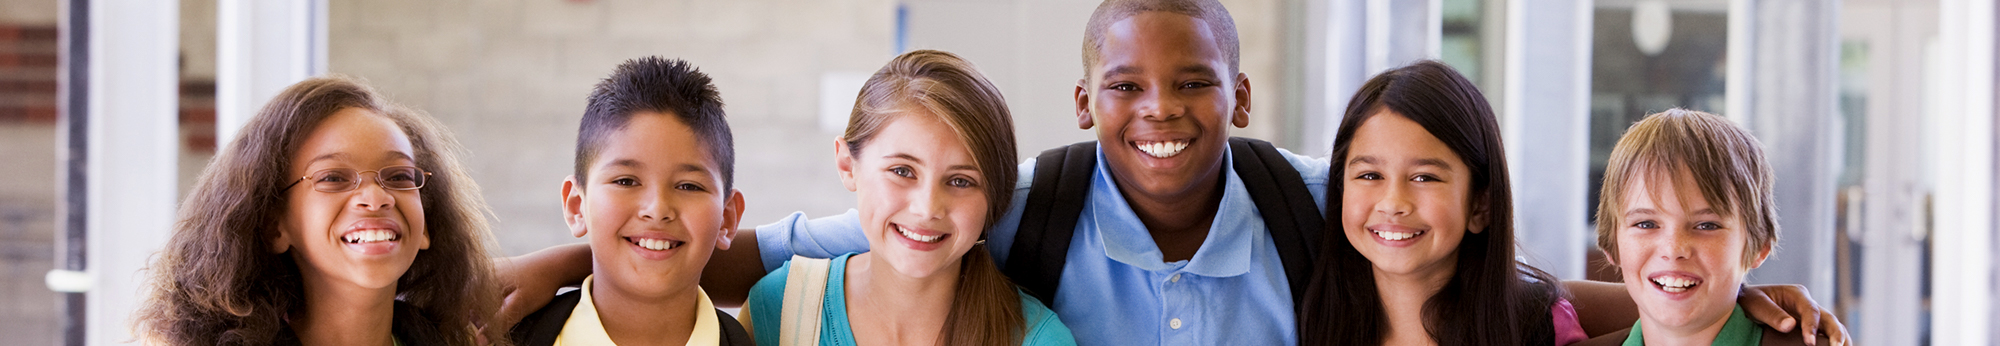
column 1287, row 206
column 1048, row 220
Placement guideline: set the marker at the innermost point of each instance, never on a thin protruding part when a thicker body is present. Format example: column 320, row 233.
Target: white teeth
column 1397, row 235
column 369, row 236
column 656, row 244
column 1162, row 149
column 918, row 238
column 1674, row 284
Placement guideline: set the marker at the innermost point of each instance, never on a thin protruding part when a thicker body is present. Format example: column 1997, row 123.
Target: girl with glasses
column 334, row 218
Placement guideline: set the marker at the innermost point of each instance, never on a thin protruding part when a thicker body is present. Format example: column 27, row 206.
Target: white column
column 1547, row 130
column 1349, row 41
column 1961, row 140
column 262, row 46
column 133, row 144
column 1786, row 92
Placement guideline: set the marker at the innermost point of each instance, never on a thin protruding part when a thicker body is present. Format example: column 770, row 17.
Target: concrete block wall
column 510, row 76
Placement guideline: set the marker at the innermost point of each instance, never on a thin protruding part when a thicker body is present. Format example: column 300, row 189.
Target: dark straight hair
column 1490, row 299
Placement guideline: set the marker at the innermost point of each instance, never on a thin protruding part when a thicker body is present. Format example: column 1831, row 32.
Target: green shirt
column 1737, row 331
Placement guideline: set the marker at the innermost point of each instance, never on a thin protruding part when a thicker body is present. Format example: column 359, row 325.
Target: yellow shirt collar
column 584, row 328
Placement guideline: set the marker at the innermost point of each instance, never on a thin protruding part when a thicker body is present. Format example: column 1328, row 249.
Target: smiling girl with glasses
column 398, row 257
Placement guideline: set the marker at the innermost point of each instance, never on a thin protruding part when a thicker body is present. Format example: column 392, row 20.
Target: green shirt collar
column 1737, row 331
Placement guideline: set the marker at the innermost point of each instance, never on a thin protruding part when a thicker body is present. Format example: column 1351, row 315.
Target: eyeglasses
column 337, row 180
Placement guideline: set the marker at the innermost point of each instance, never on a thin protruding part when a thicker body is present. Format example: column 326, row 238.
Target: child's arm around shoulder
column 1604, row 307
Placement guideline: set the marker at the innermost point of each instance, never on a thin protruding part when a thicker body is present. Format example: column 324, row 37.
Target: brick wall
column 27, row 194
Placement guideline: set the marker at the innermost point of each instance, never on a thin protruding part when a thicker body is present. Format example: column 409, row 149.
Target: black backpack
column 1062, row 181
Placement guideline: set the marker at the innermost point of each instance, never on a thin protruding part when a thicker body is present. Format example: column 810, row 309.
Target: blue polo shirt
column 1116, row 287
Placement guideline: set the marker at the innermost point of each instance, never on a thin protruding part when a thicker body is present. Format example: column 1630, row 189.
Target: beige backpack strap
column 805, row 294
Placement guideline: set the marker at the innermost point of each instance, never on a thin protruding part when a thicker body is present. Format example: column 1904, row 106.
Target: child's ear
column 1083, row 120
column 1762, row 254
column 1476, row 220
column 1610, row 257
column 283, row 240
column 422, row 237
column 844, row 162
column 732, row 213
column 572, row 206
column 1241, row 115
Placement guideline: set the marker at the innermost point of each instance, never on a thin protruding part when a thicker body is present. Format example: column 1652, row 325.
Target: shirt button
column 1176, row 323
column 1175, row 278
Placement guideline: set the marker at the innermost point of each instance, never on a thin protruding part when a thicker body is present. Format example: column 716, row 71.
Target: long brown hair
column 985, row 310
column 1489, row 300
column 217, row 282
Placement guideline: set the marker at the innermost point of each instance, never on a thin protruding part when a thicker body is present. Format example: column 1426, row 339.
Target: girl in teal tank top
column 929, row 153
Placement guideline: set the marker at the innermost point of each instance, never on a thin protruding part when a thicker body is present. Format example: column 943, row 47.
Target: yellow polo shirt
column 584, row 328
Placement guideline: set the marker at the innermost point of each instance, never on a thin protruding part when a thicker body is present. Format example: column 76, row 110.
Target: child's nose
column 1678, row 245
column 1394, row 202
column 927, row 202
column 372, row 197
column 656, row 207
column 1161, row 105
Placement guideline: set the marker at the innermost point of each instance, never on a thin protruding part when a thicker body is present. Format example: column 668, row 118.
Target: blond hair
column 1727, row 164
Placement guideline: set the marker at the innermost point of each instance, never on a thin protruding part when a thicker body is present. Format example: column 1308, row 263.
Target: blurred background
column 1878, row 114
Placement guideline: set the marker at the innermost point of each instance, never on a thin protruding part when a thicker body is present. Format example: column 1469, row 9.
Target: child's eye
column 1124, row 87
column 1646, row 225
column 961, row 182
column 1368, row 176
column 901, row 171
column 689, row 187
column 1708, row 226
column 1196, row 85
column 1425, row 178
column 331, row 178
column 625, row 182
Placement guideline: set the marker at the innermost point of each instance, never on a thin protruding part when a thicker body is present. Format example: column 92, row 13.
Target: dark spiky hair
column 667, row 86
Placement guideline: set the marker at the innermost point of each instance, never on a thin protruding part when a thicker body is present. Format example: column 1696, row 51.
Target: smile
column 1392, row 235
column 370, row 236
column 1675, row 283
column 655, row 244
column 927, row 239
column 1161, row 149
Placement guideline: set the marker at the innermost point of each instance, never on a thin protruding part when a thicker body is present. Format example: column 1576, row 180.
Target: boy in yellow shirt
column 652, row 192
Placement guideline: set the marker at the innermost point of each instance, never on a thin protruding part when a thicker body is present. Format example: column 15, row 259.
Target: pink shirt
column 1568, row 330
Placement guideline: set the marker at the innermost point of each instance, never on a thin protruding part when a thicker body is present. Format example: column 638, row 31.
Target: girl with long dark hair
column 1424, row 245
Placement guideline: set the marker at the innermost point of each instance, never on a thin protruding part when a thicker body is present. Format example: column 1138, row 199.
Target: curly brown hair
column 217, row 282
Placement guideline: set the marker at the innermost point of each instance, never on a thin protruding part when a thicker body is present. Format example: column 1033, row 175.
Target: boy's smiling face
column 1681, row 259
column 654, row 208
column 1161, row 97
